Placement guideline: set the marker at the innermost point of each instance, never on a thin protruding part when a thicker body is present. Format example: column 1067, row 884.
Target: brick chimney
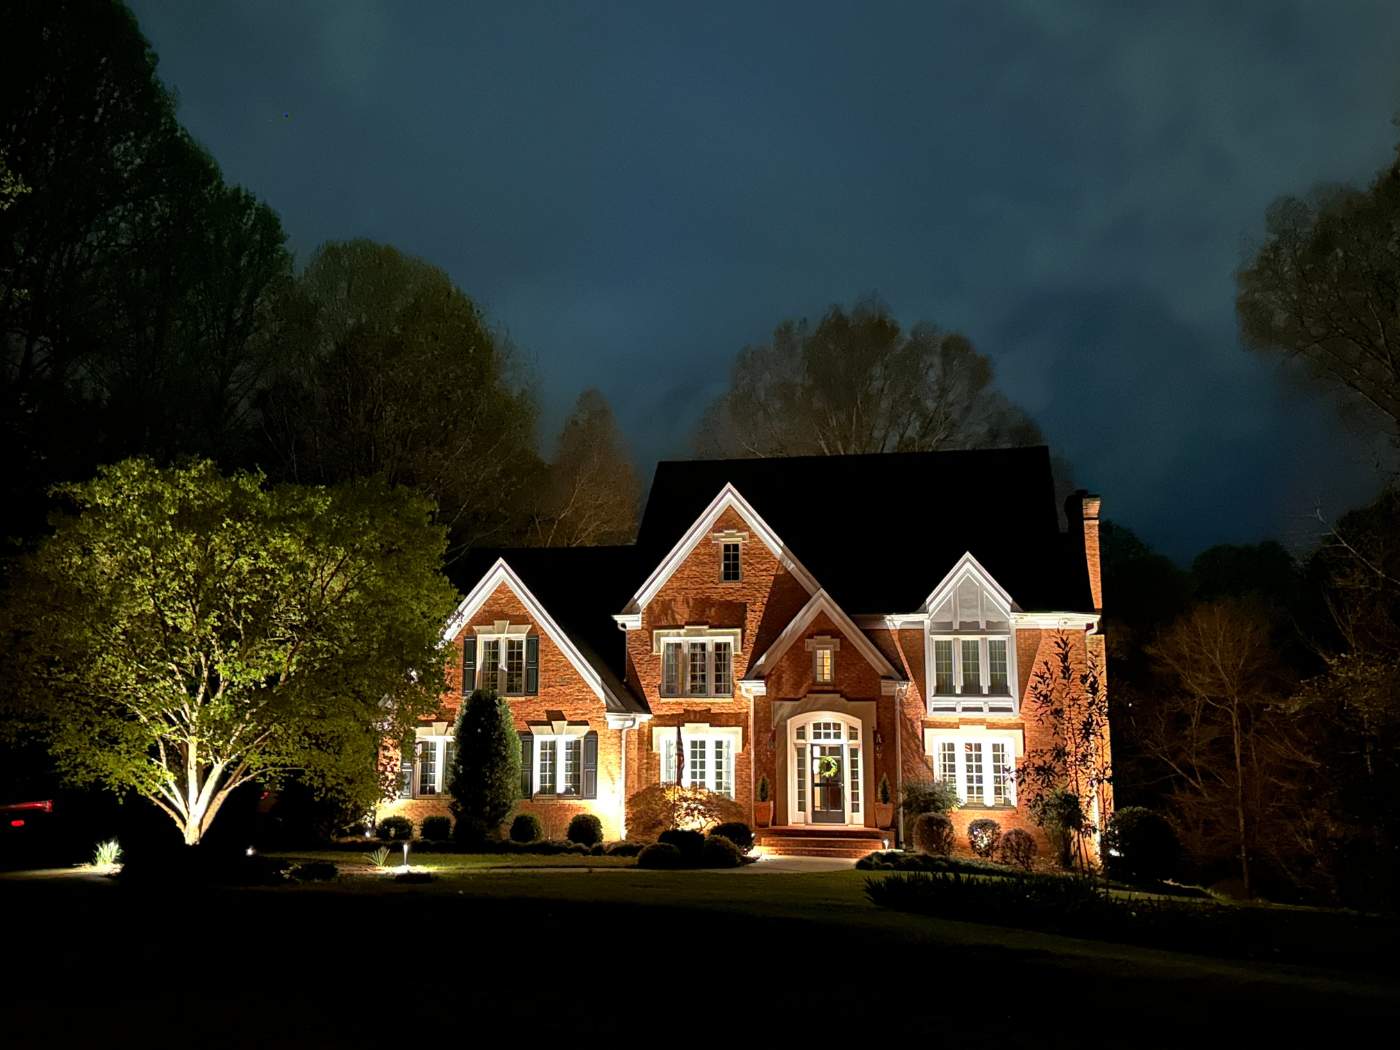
column 1082, row 513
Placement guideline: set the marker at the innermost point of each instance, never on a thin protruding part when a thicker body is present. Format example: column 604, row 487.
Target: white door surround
column 826, row 770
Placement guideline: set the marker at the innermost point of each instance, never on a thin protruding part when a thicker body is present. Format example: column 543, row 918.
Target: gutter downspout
column 622, row 795
column 899, row 696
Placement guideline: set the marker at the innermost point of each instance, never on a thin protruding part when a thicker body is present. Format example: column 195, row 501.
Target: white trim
column 627, row 621
column 852, row 816
column 752, row 687
column 727, row 499
column 691, row 732
column 821, row 602
column 630, row 721
column 502, row 573
column 1057, row 621
column 695, row 632
column 966, row 566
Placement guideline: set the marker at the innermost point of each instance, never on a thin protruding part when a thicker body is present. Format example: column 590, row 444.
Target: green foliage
column 983, row 836
column 933, row 833
column 394, row 829
column 107, row 855
column 1018, row 849
column 1140, row 846
column 660, row 807
column 1061, row 815
column 737, row 832
column 763, row 789
column 585, row 828
column 183, row 633
column 904, row 860
column 926, row 795
column 378, row 858
column 688, row 842
column 882, row 790
column 485, row 773
column 661, row 855
column 526, row 827
column 314, row 871
column 436, row 828
column 719, row 852
column 626, row 848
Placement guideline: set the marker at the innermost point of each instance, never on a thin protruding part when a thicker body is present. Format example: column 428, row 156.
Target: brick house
column 818, row 623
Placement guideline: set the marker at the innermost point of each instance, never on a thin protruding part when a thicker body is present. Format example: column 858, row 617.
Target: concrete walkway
column 797, row 864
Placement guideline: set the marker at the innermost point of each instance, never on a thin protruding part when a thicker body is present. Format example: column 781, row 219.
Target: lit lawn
column 445, row 864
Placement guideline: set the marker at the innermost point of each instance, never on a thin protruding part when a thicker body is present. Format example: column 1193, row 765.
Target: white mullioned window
column 825, row 670
column 707, row 759
column 972, row 673
column 699, row 666
column 731, row 565
column 980, row 765
column 432, row 762
column 558, row 765
column 501, row 662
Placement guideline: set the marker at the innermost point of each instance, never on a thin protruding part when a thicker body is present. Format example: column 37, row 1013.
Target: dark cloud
column 635, row 191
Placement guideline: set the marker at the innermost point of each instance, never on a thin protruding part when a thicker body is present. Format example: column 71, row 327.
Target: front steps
column 809, row 841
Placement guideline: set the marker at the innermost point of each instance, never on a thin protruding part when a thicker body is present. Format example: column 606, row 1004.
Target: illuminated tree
column 183, row 633
column 484, row 778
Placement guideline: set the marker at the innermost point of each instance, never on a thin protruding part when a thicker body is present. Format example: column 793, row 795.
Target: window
column 980, row 767
column 509, row 664
column 431, row 765
column 998, row 684
column 708, row 761
column 729, row 562
column 697, row 667
column 972, row 674
column 943, row 667
column 569, row 783
column 560, row 764
column 546, row 751
column 826, row 669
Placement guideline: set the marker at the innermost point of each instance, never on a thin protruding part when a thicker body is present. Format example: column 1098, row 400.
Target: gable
column 821, row 604
column 500, row 575
column 728, row 500
column 969, row 597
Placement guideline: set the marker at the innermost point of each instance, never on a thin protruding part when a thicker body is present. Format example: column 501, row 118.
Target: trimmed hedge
column 661, row 855
column 688, row 842
column 737, row 832
column 933, row 833
column 585, row 828
column 719, row 852
column 436, row 829
column 526, row 827
column 394, row 829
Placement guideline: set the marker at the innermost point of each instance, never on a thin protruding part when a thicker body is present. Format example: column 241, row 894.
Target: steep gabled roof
column 819, row 604
column 578, row 588
column 880, row 531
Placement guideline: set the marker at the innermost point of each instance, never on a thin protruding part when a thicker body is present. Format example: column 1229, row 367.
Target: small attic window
column 731, row 568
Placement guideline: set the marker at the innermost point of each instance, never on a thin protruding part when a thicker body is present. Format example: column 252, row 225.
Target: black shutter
column 406, row 771
column 468, row 663
column 527, row 765
column 532, row 665
column 590, row 764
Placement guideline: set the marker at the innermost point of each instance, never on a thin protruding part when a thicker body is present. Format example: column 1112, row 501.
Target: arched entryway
column 826, row 770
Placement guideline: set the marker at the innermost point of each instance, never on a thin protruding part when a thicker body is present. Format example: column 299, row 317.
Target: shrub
column 485, row 775
column 107, row 855
column 983, row 836
column 624, row 849
column 1140, row 846
column 690, row 843
column 719, row 852
column 439, row 829
column 526, row 827
column 933, row 833
column 659, row 807
column 737, row 832
column 899, row 860
column 919, row 797
column 883, row 794
column 394, row 829
column 1018, row 848
column 763, row 795
column 585, row 828
column 1062, row 816
column 660, row 855
column 315, row 871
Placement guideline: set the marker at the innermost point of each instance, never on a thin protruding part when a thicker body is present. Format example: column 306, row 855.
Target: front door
column 828, row 803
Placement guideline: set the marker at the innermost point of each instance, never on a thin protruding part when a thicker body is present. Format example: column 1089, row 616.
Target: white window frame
column 983, row 701
column 730, row 737
column 982, row 739
column 684, row 639
column 439, row 742
column 503, row 634
column 557, row 744
column 800, row 739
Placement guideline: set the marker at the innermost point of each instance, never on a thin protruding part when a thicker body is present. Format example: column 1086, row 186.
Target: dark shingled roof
column 580, row 588
column 879, row 532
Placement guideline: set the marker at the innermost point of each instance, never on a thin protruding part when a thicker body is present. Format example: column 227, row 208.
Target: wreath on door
column 827, row 766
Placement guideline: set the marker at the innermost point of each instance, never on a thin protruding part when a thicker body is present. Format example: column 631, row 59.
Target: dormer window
column 969, row 653
column 731, row 568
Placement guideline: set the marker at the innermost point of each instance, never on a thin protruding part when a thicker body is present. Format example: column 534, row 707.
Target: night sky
column 634, row 191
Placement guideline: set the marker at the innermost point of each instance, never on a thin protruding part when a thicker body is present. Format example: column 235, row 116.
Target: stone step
column 820, row 845
column 803, row 849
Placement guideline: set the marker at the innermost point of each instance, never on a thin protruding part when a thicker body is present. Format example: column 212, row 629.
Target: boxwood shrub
column 436, row 829
column 585, row 828
column 688, row 842
column 737, row 832
column 719, row 852
column 660, row 855
column 933, row 833
column 394, row 829
column 526, row 828
column 983, row 835
column 1018, row 849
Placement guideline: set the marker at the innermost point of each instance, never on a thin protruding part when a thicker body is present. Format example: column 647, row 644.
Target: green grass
column 448, row 863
